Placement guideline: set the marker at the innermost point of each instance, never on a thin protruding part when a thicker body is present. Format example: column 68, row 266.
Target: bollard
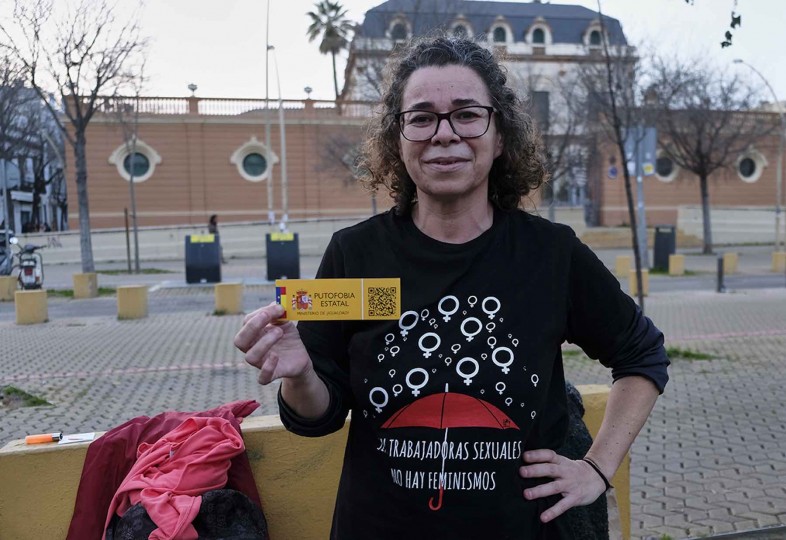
column 31, row 307
column 779, row 261
column 622, row 266
column 645, row 282
column 229, row 298
column 7, row 288
column 85, row 285
column 132, row 302
column 720, row 287
column 676, row 265
column 730, row 263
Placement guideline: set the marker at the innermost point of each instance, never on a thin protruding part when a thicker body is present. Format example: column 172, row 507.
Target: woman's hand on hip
column 273, row 346
column 577, row 482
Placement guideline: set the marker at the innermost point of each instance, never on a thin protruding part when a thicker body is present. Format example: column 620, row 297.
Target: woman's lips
column 446, row 164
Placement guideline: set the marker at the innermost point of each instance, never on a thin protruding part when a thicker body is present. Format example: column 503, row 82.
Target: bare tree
column 88, row 52
column 616, row 98
column 706, row 121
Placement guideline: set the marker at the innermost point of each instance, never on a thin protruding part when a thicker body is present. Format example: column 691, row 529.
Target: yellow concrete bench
column 676, row 265
column 779, row 261
column 31, row 307
column 85, row 285
column 228, row 298
column 633, row 284
column 7, row 288
column 132, row 302
column 297, row 478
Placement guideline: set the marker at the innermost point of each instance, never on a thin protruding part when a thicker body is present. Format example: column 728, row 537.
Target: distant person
column 212, row 228
column 212, row 224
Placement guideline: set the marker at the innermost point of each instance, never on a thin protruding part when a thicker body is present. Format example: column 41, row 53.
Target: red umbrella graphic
column 449, row 410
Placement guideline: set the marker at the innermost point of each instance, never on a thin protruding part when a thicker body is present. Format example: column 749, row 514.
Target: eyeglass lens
column 467, row 122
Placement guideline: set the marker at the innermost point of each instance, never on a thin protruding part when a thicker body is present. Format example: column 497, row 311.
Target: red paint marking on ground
column 108, row 372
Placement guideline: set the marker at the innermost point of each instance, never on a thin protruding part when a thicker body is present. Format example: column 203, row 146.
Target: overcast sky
column 220, row 45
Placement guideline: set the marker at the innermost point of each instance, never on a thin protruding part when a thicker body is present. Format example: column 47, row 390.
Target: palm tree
column 329, row 23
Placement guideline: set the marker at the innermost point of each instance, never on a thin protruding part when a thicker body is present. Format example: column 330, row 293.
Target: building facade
column 193, row 157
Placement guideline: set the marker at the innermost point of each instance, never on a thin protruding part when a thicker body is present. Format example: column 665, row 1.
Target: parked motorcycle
column 29, row 262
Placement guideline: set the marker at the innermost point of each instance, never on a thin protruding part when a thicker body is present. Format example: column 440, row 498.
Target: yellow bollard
column 31, row 307
column 676, row 265
column 779, row 261
column 229, row 298
column 622, row 266
column 132, row 302
column 7, row 288
column 85, row 285
column 645, row 282
column 730, row 263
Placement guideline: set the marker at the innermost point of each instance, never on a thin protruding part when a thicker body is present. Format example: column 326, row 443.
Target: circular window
column 254, row 161
column 747, row 167
column 139, row 164
column 750, row 165
column 254, row 164
column 664, row 166
column 136, row 164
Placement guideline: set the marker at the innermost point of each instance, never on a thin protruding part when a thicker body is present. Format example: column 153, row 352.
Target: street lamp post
column 283, row 133
column 779, row 169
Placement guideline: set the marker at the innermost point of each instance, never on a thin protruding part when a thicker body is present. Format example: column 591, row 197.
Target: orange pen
column 44, row 438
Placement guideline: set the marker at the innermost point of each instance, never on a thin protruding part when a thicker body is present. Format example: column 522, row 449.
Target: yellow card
column 339, row 299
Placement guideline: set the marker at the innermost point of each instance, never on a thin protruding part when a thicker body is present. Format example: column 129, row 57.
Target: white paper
column 76, row 438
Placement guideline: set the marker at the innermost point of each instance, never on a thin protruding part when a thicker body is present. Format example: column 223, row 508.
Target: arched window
column 398, row 32
column 460, row 31
column 539, row 36
column 500, row 35
column 594, row 39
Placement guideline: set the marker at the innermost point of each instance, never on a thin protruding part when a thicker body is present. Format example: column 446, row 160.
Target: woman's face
column 447, row 167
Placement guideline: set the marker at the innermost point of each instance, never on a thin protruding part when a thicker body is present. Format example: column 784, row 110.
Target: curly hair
column 521, row 167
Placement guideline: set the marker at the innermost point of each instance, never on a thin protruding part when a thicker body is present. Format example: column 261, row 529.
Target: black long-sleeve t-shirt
column 445, row 400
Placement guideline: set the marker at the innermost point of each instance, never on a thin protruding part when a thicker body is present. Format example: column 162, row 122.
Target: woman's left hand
column 576, row 481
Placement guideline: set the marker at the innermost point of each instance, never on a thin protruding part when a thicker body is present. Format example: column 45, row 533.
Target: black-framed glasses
column 467, row 122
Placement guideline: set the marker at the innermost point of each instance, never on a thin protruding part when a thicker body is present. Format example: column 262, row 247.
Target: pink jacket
column 170, row 475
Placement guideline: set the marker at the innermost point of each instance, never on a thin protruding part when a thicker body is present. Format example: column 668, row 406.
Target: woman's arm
column 630, row 402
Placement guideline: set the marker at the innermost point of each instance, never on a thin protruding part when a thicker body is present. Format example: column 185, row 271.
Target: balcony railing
column 128, row 105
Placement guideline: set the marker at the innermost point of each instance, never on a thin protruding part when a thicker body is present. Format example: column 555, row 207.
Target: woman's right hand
column 273, row 346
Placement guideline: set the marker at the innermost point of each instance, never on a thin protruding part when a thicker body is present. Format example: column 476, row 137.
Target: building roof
column 568, row 23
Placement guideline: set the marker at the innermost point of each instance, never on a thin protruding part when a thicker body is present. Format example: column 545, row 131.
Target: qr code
column 381, row 301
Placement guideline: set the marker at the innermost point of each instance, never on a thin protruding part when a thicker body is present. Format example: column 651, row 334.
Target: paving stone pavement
column 711, row 460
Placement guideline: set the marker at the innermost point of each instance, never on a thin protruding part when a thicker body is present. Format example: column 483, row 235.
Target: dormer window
column 398, row 32
column 460, row 31
column 538, row 36
column 500, row 35
column 594, row 39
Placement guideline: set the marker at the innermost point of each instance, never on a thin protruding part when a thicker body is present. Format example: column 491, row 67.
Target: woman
column 458, row 406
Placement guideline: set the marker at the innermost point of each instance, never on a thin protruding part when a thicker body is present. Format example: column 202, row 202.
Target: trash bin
column 665, row 245
column 283, row 256
column 203, row 258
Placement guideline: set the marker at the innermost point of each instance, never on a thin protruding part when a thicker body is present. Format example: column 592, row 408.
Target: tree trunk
column 335, row 75
column 705, row 214
column 85, row 244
